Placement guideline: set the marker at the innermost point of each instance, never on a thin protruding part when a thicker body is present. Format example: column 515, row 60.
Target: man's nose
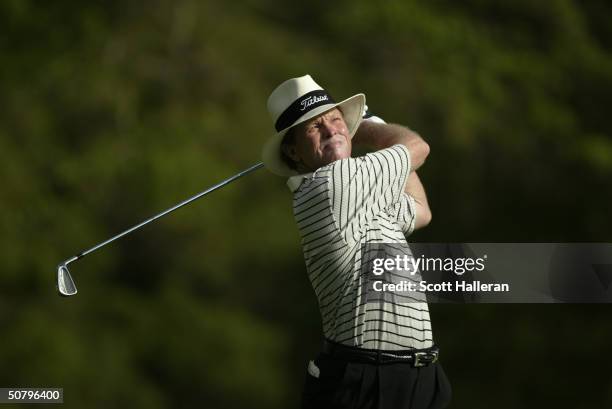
column 328, row 130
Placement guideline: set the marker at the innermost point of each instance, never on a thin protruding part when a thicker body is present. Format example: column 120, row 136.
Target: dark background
column 112, row 111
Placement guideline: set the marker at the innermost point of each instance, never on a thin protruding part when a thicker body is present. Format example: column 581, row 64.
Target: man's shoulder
column 398, row 153
column 395, row 150
column 313, row 183
column 335, row 173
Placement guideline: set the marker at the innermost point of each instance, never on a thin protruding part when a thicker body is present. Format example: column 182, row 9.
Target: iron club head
column 65, row 284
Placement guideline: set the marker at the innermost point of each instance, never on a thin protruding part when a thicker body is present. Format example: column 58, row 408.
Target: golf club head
column 65, row 284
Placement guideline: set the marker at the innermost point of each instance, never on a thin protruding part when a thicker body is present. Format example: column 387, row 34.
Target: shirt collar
column 294, row 182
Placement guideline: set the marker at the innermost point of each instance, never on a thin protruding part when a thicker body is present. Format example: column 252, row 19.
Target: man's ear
column 291, row 152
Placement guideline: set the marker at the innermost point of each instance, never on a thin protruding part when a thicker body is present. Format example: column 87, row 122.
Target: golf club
column 65, row 283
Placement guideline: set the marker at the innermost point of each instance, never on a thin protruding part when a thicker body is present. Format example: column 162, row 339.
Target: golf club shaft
column 165, row 212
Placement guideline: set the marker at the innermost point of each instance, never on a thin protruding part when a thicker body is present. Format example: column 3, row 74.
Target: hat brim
column 352, row 109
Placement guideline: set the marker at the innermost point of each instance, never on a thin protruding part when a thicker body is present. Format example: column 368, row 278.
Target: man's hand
column 376, row 136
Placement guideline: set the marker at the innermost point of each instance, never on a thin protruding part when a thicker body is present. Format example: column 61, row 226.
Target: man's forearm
column 415, row 188
column 376, row 136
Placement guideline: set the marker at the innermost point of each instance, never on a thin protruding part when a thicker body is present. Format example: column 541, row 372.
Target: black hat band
column 301, row 106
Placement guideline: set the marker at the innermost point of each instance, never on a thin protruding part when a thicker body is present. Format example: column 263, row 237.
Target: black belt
column 416, row 357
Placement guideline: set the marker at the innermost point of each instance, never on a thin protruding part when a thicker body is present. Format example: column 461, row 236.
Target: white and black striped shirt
column 338, row 208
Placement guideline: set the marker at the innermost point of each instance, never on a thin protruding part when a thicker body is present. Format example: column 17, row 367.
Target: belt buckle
column 435, row 356
column 417, row 362
column 418, row 355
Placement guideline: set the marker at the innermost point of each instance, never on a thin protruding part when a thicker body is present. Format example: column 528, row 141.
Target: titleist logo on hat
column 306, row 102
column 299, row 107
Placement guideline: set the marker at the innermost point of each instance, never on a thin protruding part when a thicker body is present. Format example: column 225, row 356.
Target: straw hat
column 298, row 100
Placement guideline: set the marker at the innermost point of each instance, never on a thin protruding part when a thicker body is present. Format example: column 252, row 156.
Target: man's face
column 320, row 141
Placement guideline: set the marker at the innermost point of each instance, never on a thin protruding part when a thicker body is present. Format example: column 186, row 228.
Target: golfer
column 378, row 351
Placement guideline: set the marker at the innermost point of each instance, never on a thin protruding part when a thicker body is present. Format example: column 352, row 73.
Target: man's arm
column 375, row 136
column 415, row 188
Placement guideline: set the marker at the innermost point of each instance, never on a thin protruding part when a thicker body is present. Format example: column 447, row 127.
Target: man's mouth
column 332, row 144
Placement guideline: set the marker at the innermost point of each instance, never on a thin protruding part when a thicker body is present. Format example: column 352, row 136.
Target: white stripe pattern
column 339, row 208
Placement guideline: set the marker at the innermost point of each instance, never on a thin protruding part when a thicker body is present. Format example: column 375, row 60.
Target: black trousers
column 342, row 385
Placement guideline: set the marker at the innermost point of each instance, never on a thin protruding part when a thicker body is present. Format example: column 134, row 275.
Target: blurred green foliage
column 112, row 111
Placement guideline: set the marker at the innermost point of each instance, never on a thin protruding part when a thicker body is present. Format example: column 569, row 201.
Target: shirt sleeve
column 404, row 213
column 360, row 188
